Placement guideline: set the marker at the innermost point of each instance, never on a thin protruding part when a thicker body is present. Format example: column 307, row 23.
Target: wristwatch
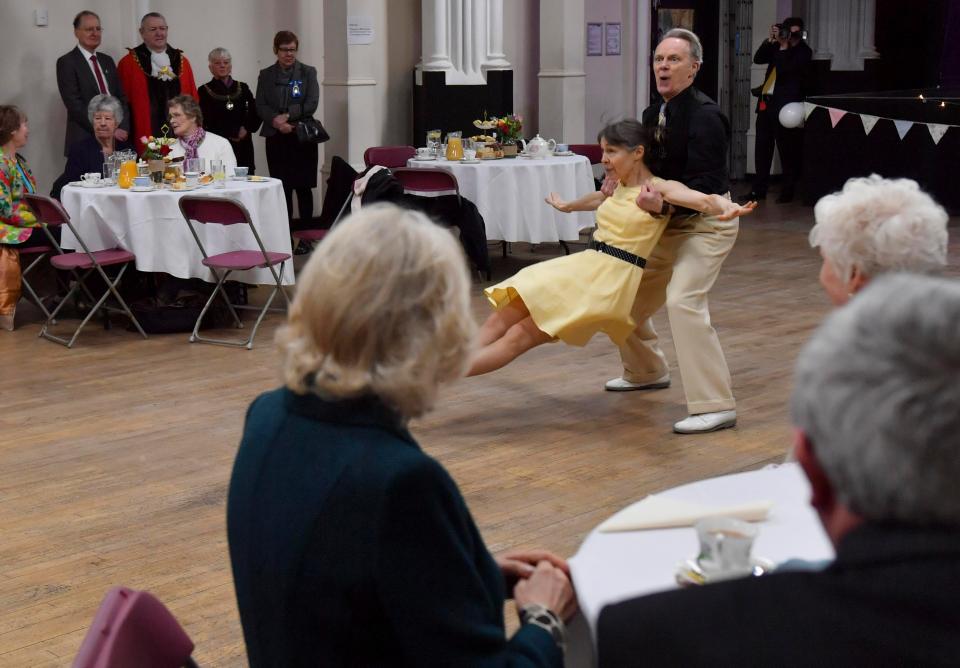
column 546, row 619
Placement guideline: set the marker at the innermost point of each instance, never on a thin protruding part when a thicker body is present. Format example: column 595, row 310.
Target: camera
column 783, row 32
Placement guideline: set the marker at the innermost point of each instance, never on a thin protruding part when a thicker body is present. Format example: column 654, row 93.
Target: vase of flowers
column 510, row 128
column 155, row 152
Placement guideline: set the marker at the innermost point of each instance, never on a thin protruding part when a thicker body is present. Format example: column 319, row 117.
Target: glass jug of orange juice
column 454, row 146
column 128, row 172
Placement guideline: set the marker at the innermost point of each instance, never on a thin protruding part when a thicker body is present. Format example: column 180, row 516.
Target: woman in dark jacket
column 350, row 545
column 229, row 109
column 88, row 154
column 288, row 92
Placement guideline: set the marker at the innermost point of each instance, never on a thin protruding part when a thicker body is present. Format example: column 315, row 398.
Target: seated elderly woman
column 87, row 155
column 351, row 546
column 875, row 225
column 186, row 120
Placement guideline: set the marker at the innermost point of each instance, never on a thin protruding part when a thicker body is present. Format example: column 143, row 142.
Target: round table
column 150, row 225
column 509, row 194
column 612, row 567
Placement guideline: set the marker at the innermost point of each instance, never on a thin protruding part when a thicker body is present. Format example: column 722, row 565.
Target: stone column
column 562, row 85
column 842, row 31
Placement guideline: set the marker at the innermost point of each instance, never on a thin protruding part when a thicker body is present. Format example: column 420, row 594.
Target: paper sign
column 359, row 30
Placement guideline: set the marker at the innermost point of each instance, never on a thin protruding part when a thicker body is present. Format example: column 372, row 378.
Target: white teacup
column 562, row 148
column 239, row 172
column 90, row 179
column 725, row 545
column 469, row 154
column 193, row 178
column 425, row 152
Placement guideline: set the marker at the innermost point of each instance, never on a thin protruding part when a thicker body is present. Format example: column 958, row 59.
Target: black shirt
column 695, row 142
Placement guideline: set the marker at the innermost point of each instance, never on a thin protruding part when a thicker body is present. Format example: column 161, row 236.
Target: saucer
column 564, row 154
column 469, row 162
column 141, row 189
column 184, row 189
column 252, row 179
column 423, row 159
column 689, row 573
column 94, row 184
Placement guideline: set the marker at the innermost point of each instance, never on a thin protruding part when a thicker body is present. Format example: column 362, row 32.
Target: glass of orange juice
column 454, row 146
column 128, row 172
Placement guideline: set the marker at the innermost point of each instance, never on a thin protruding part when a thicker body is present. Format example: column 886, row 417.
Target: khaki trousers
column 680, row 271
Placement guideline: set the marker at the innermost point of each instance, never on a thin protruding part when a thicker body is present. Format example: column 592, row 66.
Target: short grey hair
column 105, row 103
column 191, row 108
column 219, row 52
column 877, row 391
column 696, row 48
column 876, row 225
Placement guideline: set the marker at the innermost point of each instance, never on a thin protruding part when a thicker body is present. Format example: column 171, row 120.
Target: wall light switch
column 40, row 17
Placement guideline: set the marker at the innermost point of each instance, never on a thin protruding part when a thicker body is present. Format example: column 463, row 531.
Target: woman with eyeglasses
column 288, row 92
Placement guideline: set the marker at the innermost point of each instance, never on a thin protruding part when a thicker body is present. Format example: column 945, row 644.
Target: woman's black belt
column 619, row 253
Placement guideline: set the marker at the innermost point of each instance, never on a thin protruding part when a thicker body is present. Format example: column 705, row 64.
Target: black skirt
column 291, row 161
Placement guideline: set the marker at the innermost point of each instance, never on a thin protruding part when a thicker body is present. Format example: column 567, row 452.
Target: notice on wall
column 359, row 30
column 613, row 39
column 594, row 39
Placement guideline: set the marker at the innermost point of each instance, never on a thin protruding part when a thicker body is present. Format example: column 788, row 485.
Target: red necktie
column 96, row 70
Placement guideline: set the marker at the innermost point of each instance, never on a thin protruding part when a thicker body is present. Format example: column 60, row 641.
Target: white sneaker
column 623, row 385
column 704, row 422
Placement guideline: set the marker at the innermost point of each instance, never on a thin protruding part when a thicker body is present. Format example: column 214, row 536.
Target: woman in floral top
column 17, row 222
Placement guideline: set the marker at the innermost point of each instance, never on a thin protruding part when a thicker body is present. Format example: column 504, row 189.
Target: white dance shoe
column 704, row 422
column 624, row 385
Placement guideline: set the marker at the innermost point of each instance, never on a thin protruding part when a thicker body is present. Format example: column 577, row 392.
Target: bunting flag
column 937, row 131
column 903, row 127
column 835, row 116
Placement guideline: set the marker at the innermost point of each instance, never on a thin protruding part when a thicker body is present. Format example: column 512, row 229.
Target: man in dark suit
column 877, row 409
column 83, row 73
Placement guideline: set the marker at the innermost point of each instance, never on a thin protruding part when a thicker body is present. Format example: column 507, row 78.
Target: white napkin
column 659, row 512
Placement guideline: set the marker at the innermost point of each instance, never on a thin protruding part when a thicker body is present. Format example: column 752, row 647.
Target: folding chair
column 133, row 628
column 39, row 253
column 388, row 156
column 52, row 214
column 427, row 180
column 222, row 211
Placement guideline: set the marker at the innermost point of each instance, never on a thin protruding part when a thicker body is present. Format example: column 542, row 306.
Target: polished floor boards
column 115, row 456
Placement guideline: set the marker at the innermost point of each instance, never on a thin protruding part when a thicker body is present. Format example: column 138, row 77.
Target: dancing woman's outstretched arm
column 589, row 202
column 713, row 205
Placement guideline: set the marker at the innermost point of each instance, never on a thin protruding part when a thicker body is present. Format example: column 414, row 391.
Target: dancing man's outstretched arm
column 713, row 205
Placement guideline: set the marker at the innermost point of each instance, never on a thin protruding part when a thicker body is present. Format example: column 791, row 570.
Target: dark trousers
column 304, row 206
column 789, row 141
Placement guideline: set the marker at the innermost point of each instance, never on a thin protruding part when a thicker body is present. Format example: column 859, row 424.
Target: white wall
column 607, row 98
column 521, row 44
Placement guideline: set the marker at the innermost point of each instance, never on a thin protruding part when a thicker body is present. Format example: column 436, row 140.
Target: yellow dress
column 573, row 297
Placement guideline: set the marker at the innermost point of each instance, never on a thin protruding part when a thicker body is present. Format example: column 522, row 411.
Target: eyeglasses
column 92, row 30
column 289, row 49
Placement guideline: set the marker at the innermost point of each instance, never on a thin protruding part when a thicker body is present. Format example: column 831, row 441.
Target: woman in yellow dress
column 571, row 298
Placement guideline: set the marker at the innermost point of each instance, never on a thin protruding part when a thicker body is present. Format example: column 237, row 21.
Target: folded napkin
column 659, row 512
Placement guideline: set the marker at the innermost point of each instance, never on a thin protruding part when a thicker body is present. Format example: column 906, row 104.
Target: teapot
column 538, row 147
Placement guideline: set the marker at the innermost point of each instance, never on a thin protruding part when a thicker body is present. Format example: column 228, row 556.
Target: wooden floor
column 115, row 456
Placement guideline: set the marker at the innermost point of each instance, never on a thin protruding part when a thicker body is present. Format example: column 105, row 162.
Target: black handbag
column 311, row 131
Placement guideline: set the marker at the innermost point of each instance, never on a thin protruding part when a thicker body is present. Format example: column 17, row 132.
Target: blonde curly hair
column 382, row 307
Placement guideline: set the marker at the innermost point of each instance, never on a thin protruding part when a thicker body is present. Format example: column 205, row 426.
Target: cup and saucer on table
column 469, row 157
column 562, row 151
column 725, row 546
column 424, row 154
column 93, row 180
column 142, row 184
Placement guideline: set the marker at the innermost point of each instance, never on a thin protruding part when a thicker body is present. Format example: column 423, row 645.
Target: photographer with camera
column 787, row 56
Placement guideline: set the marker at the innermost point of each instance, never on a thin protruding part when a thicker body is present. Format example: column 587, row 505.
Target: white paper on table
column 660, row 512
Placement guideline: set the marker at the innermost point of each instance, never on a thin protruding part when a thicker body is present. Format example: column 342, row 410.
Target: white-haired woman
column 186, row 121
column 88, row 154
column 875, row 225
column 349, row 544
column 228, row 107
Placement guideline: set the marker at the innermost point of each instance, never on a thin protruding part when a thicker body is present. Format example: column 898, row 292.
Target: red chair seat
column 310, row 235
column 244, row 259
column 83, row 261
column 35, row 250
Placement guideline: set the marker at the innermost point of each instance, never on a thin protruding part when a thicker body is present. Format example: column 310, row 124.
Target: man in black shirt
column 787, row 58
column 685, row 264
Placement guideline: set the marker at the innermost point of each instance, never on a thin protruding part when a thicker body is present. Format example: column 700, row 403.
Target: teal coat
column 352, row 547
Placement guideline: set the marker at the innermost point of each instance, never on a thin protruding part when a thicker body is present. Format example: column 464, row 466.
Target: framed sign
column 612, row 39
column 594, row 39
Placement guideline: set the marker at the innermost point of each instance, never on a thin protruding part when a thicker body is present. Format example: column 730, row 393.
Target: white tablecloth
column 150, row 225
column 611, row 567
column 509, row 194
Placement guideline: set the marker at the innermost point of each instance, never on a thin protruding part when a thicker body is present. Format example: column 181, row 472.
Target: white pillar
column 562, row 85
column 842, row 31
column 463, row 39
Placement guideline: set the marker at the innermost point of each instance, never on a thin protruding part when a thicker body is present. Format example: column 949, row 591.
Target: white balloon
column 791, row 115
